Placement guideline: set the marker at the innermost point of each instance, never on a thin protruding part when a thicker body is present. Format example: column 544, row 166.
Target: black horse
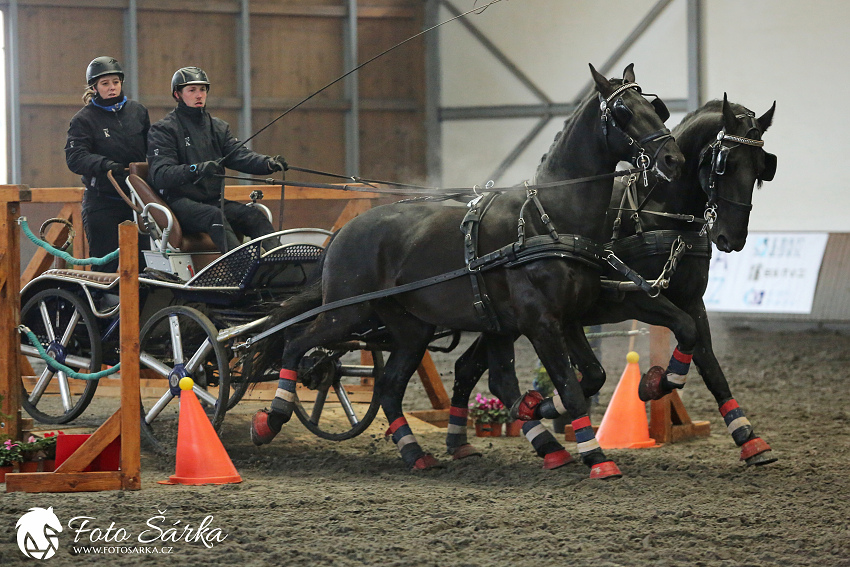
column 549, row 277
column 724, row 161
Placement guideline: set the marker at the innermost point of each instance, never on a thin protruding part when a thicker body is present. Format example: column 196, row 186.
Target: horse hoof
column 426, row 462
column 650, row 385
column 557, row 459
column 523, row 408
column 261, row 432
column 465, row 451
column 757, row 452
column 605, row 471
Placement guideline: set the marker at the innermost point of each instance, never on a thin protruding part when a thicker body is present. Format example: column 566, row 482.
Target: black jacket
column 189, row 136
column 97, row 138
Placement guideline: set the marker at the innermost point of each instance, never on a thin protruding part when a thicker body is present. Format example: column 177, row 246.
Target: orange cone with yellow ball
column 624, row 425
column 201, row 458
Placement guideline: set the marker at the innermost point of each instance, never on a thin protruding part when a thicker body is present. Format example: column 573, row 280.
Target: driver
column 185, row 151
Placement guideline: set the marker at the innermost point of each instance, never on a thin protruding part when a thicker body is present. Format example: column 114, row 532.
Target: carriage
column 195, row 304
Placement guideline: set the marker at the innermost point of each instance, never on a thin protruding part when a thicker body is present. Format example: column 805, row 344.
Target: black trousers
column 101, row 216
column 195, row 216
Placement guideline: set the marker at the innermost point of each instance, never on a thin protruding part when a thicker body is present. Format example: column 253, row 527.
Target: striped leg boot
column 411, row 453
column 267, row 423
column 456, row 443
column 545, row 445
column 754, row 450
column 657, row 382
column 591, row 453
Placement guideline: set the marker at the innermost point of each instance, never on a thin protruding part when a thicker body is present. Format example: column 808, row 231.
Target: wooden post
column 668, row 419
column 10, row 309
column 124, row 423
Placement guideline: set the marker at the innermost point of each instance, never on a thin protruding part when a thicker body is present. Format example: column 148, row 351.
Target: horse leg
column 754, row 450
column 504, row 384
column 549, row 342
column 266, row 424
column 468, row 370
column 410, row 339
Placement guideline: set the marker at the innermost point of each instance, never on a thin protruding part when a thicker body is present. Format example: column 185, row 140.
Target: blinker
column 660, row 109
column 622, row 113
column 720, row 163
column 769, row 167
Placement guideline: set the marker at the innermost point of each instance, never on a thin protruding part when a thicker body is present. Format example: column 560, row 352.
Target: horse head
column 633, row 126
column 728, row 170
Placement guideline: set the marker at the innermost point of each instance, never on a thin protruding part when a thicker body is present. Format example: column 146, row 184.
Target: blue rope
column 61, row 253
column 58, row 366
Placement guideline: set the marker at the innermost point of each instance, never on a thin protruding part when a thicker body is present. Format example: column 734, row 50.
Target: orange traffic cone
column 624, row 424
column 201, row 458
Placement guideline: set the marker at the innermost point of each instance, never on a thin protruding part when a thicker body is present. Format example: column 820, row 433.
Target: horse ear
column 767, row 118
column 629, row 73
column 602, row 83
column 729, row 118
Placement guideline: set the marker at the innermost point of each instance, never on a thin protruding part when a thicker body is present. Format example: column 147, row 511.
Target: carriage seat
column 185, row 242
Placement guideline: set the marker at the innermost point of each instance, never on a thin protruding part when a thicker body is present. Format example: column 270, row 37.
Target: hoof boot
column 523, row 408
column 557, row 459
column 650, row 387
column 465, row 451
column 261, row 432
column 426, row 462
column 604, row 471
column 757, row 452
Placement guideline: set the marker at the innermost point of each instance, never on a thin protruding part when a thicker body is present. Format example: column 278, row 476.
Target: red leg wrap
column 608, row 469
column 557, row 459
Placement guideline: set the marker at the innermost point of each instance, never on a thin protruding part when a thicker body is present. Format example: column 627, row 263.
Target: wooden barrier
column 124, row 423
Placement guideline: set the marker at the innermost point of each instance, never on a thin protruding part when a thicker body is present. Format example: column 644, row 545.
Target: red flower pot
column 488, row 429
column 514, row 428
column 6, row 469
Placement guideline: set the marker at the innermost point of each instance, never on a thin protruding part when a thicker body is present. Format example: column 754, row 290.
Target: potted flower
column 39, row 453
column 489, row 414
column 10, row 455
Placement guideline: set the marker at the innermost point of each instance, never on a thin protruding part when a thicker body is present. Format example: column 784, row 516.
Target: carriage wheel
column 69, row 332
column 180, row 341
column 334, row 375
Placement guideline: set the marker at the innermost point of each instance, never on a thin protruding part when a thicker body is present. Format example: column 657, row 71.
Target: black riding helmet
column 101, row 66
column 188, row 76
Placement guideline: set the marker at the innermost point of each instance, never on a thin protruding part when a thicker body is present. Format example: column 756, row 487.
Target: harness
column 526, row 249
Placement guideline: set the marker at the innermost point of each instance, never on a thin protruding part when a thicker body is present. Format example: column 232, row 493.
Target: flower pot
column 6, row 469
column 514, row 428
column 488, row 429
column 28, row 466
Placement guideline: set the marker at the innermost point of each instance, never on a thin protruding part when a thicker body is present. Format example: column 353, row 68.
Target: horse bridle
column 718, row 154
column 618, row 115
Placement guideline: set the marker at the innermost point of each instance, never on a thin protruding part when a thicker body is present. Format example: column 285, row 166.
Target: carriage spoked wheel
column 339, row 406
column 177, row 342
column 68, row 330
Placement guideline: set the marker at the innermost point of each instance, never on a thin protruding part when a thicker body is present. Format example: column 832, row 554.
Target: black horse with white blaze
column 725, row 160
column 540, row 287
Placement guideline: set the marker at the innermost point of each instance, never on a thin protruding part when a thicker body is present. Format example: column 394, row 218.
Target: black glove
column 115, row 167
column 277, row 163
column 206, row 169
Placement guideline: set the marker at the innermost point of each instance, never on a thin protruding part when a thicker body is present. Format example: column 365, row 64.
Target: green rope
column 58, row 366
column 61, row 253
